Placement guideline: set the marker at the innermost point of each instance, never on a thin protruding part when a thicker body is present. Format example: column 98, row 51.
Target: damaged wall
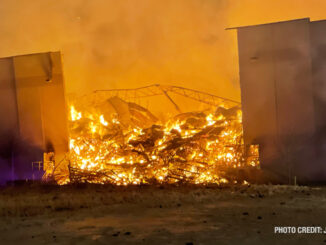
column 33, row 112
column 281, row 78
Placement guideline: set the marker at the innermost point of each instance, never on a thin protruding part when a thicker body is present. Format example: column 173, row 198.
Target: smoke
column 129, row 43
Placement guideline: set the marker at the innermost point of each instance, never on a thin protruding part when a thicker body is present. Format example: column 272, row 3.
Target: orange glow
column 199, row 152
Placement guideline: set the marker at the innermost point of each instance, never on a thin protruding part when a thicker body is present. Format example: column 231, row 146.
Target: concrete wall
column 277, row 92
column 34, row 104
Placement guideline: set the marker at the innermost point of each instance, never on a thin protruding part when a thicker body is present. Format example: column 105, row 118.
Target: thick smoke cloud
column 131, row 43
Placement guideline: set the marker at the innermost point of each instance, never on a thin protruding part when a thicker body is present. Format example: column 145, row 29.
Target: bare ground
column 160, row 214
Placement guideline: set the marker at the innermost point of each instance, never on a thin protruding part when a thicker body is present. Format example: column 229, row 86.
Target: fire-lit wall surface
column 33, row 113
column 281, row 75
column 318, row 53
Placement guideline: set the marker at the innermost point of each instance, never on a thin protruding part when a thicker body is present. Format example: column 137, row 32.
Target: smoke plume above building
column 127, row 44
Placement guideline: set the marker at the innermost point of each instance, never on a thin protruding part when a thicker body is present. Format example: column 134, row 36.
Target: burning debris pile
column 123, row 143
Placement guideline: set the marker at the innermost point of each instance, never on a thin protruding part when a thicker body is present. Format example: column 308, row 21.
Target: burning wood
column 109, row 145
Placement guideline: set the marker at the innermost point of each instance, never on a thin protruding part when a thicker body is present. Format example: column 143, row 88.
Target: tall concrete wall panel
column 277, row 92
column 33, row 110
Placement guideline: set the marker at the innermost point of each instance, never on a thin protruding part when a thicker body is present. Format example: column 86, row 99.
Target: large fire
column 194, row 147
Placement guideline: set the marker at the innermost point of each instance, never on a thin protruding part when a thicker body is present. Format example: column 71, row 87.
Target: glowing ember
column 74, row 114
column 193, row 147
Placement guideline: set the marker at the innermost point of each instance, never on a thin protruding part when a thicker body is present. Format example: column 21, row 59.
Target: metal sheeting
column 33, row 111
column 8, row 117
column 318, row 52
column 277, row 95
column 40, row 90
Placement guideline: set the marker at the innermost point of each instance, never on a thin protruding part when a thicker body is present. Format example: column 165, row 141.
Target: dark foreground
column 160, row 215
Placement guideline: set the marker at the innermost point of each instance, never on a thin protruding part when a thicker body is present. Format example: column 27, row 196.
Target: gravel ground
column 91, row 214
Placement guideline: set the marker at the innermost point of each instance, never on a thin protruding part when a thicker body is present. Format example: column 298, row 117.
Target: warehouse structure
column 33, row 114
column 283, row 93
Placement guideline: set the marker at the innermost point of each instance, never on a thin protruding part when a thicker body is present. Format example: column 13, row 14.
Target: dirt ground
column 160, row 215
